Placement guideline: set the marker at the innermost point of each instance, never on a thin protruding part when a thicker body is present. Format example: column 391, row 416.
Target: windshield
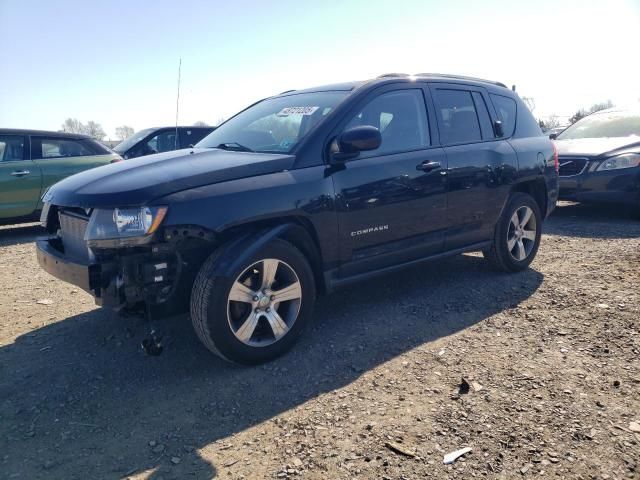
column 274, row 125
column 129, row 142
column 605, row 124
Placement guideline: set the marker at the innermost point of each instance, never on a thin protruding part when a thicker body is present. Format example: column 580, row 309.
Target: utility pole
column 178, row 103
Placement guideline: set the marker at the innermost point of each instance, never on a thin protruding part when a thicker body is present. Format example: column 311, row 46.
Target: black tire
column 211, row 310
column 499, row 256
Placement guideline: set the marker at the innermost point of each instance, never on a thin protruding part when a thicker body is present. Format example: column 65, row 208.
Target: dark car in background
column 600, row 158
column 160, row 139
column 33, row 160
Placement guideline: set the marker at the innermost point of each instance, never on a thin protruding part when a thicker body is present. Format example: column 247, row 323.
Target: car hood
column 141, row 180
column 593, row 147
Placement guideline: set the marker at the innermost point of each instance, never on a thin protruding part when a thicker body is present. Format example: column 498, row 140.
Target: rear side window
column 486, row 125
column 60, row 148
column 11, row 148
column 506, row 110
column 457, row 117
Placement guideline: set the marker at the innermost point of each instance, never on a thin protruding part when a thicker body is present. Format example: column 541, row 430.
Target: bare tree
column 596, row 107
column 94, row 130
column 200, row 123
column 552, row 122
column 530, row 103
column 220, row 120
column 73, row 125
column 124, row 131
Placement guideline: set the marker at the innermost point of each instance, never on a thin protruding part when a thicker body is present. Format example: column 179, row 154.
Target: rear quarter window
column 506, row 110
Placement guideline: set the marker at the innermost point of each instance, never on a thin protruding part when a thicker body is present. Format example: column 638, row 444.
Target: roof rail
column 387, row 75
column 460, row 77
column 287, row 91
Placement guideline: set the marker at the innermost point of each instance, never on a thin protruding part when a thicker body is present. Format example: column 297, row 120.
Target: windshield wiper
column 234, row 146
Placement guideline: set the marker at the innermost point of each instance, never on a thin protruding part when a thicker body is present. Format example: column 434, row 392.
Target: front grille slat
column 571, row 166
column 72, row 229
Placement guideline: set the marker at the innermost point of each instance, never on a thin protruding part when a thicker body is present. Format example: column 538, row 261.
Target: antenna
column 178, row 104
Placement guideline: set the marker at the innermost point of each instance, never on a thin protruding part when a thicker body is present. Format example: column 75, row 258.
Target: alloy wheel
column 521, row 235
column 264, row 302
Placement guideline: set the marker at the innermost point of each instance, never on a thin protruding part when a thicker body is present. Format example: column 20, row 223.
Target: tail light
column 556, row 162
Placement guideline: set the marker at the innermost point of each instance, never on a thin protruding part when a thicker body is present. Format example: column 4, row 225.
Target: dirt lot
column 551, row 356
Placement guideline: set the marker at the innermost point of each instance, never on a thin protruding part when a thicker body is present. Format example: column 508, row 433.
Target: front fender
column 241, row 249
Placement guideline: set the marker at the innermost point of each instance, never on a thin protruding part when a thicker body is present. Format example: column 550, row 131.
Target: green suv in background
column 31, row 161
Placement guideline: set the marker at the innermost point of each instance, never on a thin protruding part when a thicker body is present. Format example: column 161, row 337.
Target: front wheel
column 517, row 234
column 259, row 311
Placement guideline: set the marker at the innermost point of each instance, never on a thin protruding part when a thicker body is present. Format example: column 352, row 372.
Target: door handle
column 428, row 166
column 20, row 173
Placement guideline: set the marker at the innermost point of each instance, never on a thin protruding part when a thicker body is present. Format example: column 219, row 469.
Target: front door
column 20, row 179
column 391, row 201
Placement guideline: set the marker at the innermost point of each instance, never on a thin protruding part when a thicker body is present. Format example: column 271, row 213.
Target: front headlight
column 628, row 160
column 123, row 226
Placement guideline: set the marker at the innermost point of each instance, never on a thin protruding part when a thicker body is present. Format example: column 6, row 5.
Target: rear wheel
column 517, row 234
column 259, row 311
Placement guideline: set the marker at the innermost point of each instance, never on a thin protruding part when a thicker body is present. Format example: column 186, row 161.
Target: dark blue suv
column 303, row 192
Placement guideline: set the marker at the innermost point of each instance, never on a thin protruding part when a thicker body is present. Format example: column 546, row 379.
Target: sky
column 116, row 62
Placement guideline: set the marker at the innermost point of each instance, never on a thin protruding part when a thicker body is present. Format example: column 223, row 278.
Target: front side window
column 63, row 147
column 163, row 142
column 274, row 125
column 604, row 124
column 11, row 148
column 506, row 110
column 457, row 117
column 401, row 117
column 129, row 142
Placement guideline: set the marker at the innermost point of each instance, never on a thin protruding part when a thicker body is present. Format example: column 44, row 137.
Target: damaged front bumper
column 115, row 279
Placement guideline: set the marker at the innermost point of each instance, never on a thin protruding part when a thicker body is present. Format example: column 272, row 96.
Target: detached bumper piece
column 54, row 263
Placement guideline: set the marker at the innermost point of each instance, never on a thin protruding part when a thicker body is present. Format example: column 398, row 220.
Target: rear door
column 391, row 207
column 20, row 178
column 480, row 165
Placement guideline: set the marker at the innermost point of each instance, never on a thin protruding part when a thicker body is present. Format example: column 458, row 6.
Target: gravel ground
column 537, row 372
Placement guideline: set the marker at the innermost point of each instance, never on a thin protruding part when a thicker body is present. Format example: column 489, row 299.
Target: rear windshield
column 129, row 142
column 604, row 124
column 275, row 125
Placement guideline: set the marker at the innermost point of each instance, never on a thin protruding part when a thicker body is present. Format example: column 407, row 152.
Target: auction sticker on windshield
column 285, row 112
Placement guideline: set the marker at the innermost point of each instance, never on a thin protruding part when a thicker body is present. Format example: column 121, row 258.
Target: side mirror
column 553, row 136
column 497, row 128
column 355, row 140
